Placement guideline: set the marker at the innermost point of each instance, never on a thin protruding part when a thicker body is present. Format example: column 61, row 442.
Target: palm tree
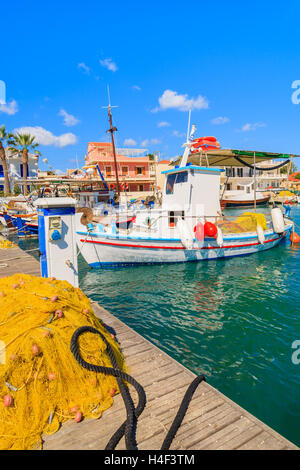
column 4, row 138
column 22, row 144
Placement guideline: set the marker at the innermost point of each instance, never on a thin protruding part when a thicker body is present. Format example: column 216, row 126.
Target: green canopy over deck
column 231, row 157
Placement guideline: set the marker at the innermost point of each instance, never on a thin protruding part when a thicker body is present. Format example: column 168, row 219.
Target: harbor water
column 233, row 320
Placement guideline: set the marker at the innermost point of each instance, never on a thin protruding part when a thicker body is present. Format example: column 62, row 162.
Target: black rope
column 128, row 428
column 259, row 168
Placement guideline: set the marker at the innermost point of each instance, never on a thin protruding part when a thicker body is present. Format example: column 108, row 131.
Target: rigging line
column 259, row 168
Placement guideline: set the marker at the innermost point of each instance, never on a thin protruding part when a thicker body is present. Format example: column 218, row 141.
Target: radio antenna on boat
column 112, row 129
column 187, row 144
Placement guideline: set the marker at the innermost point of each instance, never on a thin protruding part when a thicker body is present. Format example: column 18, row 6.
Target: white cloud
column 147, row 142
column 172, row 100
column 220, row 120
column 178, row 134
column 59, row 172
column 129, row 142
column 69, row 119
column 136, row 87
column 84, row 67
column 163, row 124
column 109, row 64
column 45, row 137
column 9, row 108
column 252, row 127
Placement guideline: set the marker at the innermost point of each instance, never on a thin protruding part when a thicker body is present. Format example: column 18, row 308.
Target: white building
column 15, row 169
column 236, row 176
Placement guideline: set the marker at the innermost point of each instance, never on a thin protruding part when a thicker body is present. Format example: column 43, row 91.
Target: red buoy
column 210, row 229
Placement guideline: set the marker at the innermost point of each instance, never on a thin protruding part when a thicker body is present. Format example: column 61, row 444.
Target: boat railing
column 227, row 223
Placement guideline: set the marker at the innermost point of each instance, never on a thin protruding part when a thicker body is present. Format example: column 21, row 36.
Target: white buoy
column 260, row 234
column 185, row 234
column 277, row 220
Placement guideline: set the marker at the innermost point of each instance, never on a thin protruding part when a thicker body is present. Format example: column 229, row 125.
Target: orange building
column 137, row 172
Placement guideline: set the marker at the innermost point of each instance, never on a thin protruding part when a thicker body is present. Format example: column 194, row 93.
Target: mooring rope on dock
column 128, row 428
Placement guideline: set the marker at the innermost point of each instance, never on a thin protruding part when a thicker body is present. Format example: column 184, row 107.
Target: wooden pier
column 212, row 421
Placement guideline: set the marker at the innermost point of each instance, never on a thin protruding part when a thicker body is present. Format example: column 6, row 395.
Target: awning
column 229, row 157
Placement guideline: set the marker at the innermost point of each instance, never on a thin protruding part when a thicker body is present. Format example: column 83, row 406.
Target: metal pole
column 254, row 183
column 155, row 167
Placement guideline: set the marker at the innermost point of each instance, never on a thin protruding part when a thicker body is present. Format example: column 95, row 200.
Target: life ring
column 124, row 186
column 111, row 186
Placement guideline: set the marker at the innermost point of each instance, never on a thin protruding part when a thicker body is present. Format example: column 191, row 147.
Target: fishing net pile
column 286, row 194
column 4, row 244
column 247, row 222
column 41, row 383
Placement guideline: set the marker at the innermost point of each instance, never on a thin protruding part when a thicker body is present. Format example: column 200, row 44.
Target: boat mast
column 113, row 129
column 254, row 182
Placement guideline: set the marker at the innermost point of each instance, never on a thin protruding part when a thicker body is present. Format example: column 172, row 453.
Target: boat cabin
column 192, row 189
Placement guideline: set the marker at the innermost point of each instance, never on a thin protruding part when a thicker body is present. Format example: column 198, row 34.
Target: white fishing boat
column 244, row 197
column 189, row 225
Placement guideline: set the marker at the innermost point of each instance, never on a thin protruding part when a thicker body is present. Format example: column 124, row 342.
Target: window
column 174, row 178
column 182, row 177
column 124, row 170
column 173, row 217
column 108, row 170
column 140, row 170
column 240, row 172
column 21, row 171
column 141, row 187
column 170, row 183
column 230, row 172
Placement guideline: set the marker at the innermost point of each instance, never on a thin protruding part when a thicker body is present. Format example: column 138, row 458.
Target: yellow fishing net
column 41, row 383
column 6, row 244
column 247, row 222
column 286, row 194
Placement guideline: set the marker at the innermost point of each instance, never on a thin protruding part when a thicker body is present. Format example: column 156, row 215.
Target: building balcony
column 129, row 178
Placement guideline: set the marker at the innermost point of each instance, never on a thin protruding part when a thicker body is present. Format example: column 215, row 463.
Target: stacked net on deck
column 247, row 222
column 41, row 383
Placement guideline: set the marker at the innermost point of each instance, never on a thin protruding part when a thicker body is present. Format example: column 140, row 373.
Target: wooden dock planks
column 213, row 421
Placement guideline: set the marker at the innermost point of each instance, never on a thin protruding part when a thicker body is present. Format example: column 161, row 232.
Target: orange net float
column 111, row 186
column 124, row 186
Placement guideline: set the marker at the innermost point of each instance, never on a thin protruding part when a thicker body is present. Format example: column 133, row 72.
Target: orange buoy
column 294, row 237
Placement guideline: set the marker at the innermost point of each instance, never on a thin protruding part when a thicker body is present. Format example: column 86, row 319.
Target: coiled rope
column 128, row 428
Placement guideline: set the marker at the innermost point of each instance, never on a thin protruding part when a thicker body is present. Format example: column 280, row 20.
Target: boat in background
column 244, row 197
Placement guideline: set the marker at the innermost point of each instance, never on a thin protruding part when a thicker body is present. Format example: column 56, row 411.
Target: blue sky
column 232, row 62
